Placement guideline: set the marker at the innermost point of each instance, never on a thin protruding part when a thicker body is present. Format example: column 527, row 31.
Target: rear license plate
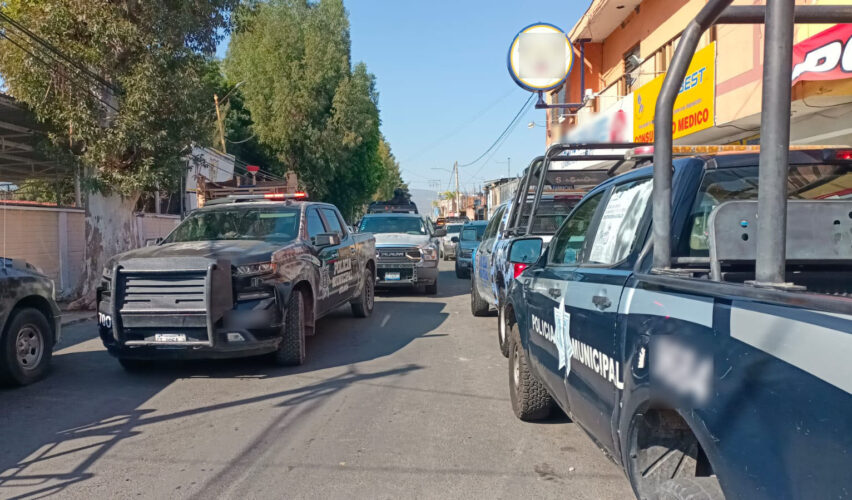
column 391, row 276
column 169, row 337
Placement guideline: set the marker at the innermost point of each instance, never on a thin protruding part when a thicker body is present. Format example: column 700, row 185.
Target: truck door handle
column 554, row 292
column 601, row 301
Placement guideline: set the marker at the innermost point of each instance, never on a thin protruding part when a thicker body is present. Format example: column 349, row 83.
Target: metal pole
column 662, row 198
column 219, row 123
column 521, row 193
column 808, row 14
column 774, row 143
column 458, row 200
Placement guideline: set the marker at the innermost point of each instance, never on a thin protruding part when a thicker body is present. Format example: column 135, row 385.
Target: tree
column 391, row 179
column 131, row 95
column 317, row 113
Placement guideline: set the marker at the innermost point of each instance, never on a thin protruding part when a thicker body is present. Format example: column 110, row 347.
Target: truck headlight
column 429, row 253
column 256, row 269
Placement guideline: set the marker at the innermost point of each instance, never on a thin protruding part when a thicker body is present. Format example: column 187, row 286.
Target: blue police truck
column 709, row 353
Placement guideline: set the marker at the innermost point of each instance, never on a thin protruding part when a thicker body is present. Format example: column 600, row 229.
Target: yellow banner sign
column 694, row 107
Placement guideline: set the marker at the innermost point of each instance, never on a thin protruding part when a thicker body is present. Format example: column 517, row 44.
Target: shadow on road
column 88, row 405
column 448, row 286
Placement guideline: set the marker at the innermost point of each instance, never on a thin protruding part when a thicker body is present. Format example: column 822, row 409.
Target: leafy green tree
column 317, row 113
column 391, row 179
column 131, row 118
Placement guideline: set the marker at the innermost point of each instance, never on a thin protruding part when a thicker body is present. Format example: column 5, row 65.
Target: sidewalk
column 74, row 317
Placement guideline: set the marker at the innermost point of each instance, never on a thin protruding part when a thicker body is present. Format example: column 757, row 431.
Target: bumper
column 409, row 275
column 464, row 263
column 188, row 315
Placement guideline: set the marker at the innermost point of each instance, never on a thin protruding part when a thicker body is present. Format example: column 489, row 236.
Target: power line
column 30, row 50
column 50, row 47
column 505, row 136
column 505, row 131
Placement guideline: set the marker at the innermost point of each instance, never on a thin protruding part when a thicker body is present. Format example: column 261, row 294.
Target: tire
column 134, row 365
column 26, row 347
column 530, row 400
column 690, row 488
column 291, row 350
column 502, row 331
column 478, row 306
column 460, row 274
column 431, row 289
column 363, row 306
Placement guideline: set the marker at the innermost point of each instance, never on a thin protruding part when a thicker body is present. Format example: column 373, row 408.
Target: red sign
column 253, row 169
column 824, row 56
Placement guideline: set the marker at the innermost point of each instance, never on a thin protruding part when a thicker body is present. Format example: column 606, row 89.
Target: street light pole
column 458, row 200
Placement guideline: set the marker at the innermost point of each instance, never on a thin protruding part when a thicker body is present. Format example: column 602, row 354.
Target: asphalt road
column 409, row 403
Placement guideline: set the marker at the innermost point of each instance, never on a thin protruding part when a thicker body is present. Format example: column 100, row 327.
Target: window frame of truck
column 482, row 258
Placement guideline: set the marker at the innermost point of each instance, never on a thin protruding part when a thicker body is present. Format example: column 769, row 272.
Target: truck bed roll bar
column 779, row 16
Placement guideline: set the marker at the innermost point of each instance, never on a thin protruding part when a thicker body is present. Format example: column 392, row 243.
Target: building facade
column 624, row 48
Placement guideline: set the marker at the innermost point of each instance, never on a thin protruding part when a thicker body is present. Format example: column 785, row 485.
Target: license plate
column 391, row 276
column 169, row 337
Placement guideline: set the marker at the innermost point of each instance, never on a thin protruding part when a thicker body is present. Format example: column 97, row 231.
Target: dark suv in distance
column 30, row 321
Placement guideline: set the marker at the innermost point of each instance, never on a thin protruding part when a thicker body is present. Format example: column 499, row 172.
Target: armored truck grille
column 398, row 255
column 147, row 292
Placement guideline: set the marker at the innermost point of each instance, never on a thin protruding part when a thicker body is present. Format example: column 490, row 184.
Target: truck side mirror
column 525, row 250
column 454, row 239
column 327, row 240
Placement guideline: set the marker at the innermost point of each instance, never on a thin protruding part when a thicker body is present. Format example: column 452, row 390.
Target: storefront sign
column 540, row 57
column 614, row 124
column 824, row 56
column 694, row 107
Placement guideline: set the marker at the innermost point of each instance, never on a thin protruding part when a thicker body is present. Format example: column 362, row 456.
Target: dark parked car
column 468, row 241
column 30, row 323
column 241, row 277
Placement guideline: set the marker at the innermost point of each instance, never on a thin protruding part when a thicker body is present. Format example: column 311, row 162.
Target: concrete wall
column 53, row 239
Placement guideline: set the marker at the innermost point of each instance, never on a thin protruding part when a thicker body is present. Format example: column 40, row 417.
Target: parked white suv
column 448, row 246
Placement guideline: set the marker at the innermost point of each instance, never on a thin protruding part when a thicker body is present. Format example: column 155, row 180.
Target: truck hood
column 237, row 251
column 400, row 239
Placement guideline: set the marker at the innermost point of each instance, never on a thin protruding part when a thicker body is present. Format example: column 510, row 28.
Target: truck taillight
column 519, row 268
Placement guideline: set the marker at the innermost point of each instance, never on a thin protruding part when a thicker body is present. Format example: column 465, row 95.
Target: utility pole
column 219, row 123
column 458, row 200
column 508, row 163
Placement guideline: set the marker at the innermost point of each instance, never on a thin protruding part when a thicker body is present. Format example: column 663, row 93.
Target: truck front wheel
column 363, row 306
column 691, row 488
column 25, row 347
column 291, row 350
column 478, row 306
column 530, row 400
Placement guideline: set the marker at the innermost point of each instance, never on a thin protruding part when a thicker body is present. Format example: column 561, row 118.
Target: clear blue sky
column 444, row 91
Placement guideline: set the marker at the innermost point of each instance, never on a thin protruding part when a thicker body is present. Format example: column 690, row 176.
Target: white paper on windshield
column 619, row 223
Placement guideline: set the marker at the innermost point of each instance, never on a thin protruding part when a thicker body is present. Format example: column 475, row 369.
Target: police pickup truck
column 242, row 276
column 491, row 269
column 698, row 381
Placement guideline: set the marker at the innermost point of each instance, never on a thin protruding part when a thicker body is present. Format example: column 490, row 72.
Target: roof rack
column 540, row 166
column 241, row 198
column 779, row 18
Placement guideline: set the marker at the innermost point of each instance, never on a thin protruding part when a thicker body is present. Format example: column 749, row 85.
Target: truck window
column 266, row 224
column 550, row 214
column 619, row 223
column 391, row 224
column 804, row 182
column 315, row 225
column 568, row 243
column 473, row 233
column 491, row 228
column 334, row 224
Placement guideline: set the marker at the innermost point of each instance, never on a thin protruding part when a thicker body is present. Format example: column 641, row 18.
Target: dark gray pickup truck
column 240, row 277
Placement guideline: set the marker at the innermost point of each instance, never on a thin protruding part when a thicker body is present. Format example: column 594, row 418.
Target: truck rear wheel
column 25, row 347
column 530, row 400
column 691, row 488
column 478, row 306
column 432, row 289
column 291, row 350
column 363, row 306
column 502, row 331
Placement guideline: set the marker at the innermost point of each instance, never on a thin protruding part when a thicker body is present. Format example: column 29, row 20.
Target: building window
column 632, row 61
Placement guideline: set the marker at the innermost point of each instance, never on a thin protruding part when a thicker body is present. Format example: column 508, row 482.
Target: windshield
column 406, row 225
column 454, row 228
column 804, row 182
column 550, row 213
column 267, row 224
column 473, row 233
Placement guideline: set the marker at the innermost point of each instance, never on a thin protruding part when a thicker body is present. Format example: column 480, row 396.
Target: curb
column 75, row 321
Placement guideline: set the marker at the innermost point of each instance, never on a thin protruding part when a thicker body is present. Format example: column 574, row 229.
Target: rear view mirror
column 440, row 232
column 327, row 240
column 525, row 250
column 454, row 239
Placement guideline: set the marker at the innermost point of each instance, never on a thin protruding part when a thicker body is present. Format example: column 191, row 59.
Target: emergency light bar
column 236, row 198
column 298, row 195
